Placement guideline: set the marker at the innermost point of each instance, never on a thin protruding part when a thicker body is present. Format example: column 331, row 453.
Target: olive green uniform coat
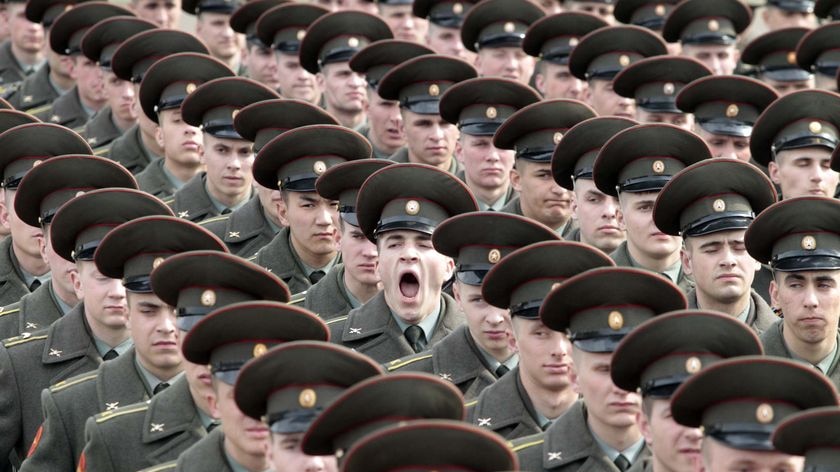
column 192, row 202
column 504, row 409
column 205, row 455
column 66, row 110
column 514, row 207
column 621, row 257
column 129, row 151
column 100, row 131
column 774, row 345
column 12, row 286
column 35, row 93
column 760, row 317
column 10, row 71
column 328, row 298
column 154, row 181
column 245, row 231
column 277, row 257
column 34, row 311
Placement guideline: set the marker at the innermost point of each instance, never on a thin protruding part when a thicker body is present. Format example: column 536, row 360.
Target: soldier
column 482, row 350
column 184, row 407
column 773, row 56
column 120, row 112
column 635, row 173
column 251, row 227
column 377, row 403
column 539, row 389
column 725, row 109
column 794, row 138
column 600, row 432
column 656, row 358
column 290, row 385
column 325, row 51
column 282, row 27
column 600, row 8
column 533, row 132
column 93, row 331
column 227, row 339
column 493, row 29
column 23, row 266
column 817, row 52
column 596, row 212
column 212, row 26
column 226, row 184
column 708, row 31
column 602, row 54
column 306, row 249
column 654, row 83
column 138, row 146
column 478, row 107
column 23, row 53
column 76, row 106
column 649, row 14
column 418, row 85
column 447, row 445
column 384, row 128
column 738, row 403
column 710, row 205
column 165, row 86
column 445, row 19
column 813, row 434
column 163, row 13
column 796, row 238
column 403, row 23
column 128, row 253
column 551, row 39
column 355, row 280
column 43, row 191
column 398, row 208
column 258, row 61
column 776, row 15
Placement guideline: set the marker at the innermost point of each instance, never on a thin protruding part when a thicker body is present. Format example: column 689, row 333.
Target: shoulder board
column 40, row 109
column 252, row 258
column 70, row 382
column 169, row 200
column 101, row 151
column 79, row 130
column 526, row 445
column 212, row 219
column 159, row 468
column 109, row 415
column 22, row 339
column 335, row 320
column 10, row 311
column 296, row 298
column 394, row 365
column 470, row 403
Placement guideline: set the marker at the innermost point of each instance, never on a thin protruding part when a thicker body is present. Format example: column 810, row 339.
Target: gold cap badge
column 658, row 167
column 158, row 261
column 457, row 8
column 191, row 87
column 434, row 90
column 713, row 25
column 260, row 349
column 509, row 27
column 764, row 413
column 412, row 207
column 615, row 320
column 815, row 127
column 809, row 243
column 719, row 205
column 301, row 34
column 494, row 256
column 732, row 111
column 659, row 10
column 208, row 298
column 353, row 42
column 307, row 398
column 693, row 365
column 668, row 88
column 319, row 167
column 624, row 60
column 491, row 112
column 557, row 137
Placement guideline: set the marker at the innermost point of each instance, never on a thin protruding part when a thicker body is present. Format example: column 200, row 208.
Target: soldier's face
column 412, row 273
column 489, row 326
column 775, row 18
column 718, row 457
column 89, row 80
column 555, row 81
column 597, row 216
column 608, row 103
column 61, row 269
column 403, row 23
column 228, row 163
column 295, row 81
column 448, row 41
column 340, row 5
column 385, row 120
column 506, row 62
column 180, row 141
column 608, row 405
column 539, row 195
column 24, row 34
column 25, row 238
column 804, row 172
column 313, row 223
column 287, row 456
column 152, row 325
column 486, row 167
column 359, row 255
column 825, row 82
column 246, row 439
column 544, row 355
column 429, row 138
column 121, row 99
column 344, row 90
column 200, row 381
column 262, row 65
column 722, row 268
column 602, row 10
column 104, row 297
column 683, row 120
column 644, row 239
column 721, row 145
column 720, row 58
column 164, row 13
column 214, row 29
column 810, row 301
column 786, row 87
column 675, row 447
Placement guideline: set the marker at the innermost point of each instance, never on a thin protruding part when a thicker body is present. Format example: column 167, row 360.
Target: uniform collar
column 631, row 453
column 427, row 325
column 102, row 347
column 151, row 381
column 221, row 207
column 307, row 270
column 175, row 181
column 65, row 308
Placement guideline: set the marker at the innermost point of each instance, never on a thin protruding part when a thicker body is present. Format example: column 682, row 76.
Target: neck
column 655, row 264
column 120, row 123
column 233, row 61
column 227, row 200
column 733, row 308
column 617, row 437
column 67, row 296
column 147, row 139
column 93, row 105
column 500, row 355
column 347, row 119
column 310, row 258
column 360, row 290
column 182, row 172
column 26, row 57
column 61, row 81
column 113, row 337
column 33, row 265
column 487, row 195
column 252, row 462
column 550, row 403
column 811, row 352
column 272, row 217
column 381, row 146
column 164, row 374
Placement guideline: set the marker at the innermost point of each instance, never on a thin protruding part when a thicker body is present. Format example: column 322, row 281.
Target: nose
column 610, row 208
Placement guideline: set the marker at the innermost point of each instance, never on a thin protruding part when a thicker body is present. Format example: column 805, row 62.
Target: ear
column 773, row 170
column 515, row 180
column 539, row 81
column 158, row 134
column 774, row 293
column 42, row 244
column 4, row 213
column 456, row 293
column 644, row 426
column 450, row 268
column 685, row 257
column 212, row 404
column 619, row 217
column 69, row 64
column 320, row 80
column 459, row 152
column 282, row 210
column 76, row 279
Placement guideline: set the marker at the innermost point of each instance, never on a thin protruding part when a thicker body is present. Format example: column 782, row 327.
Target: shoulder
column 527, row 442
column 410, row 362
column 24, row 339
column 112, row 416
column 74, row 382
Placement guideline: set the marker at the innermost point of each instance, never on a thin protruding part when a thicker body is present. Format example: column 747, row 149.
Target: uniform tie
column 317, row 275
column 112, row 354
column 622, row 463
column 416, row 338
column 502, row 370
column 226, row 211
column 160, row 387
column 34, row 285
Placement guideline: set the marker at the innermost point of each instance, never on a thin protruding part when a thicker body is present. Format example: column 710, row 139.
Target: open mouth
column 409, row 285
